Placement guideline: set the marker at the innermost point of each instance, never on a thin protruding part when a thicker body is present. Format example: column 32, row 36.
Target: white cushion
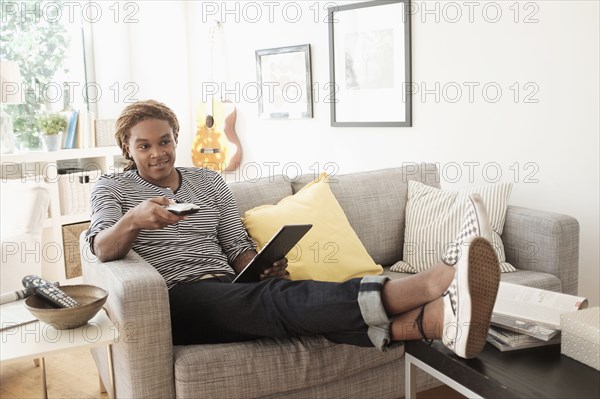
column 434, row 217
column 24, row 206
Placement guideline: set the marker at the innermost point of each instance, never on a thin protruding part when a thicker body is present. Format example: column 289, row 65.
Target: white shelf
column 75, row 218
column 50, row 156
column 43, row 165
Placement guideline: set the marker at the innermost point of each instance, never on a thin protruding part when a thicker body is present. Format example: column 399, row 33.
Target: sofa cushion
column 330, row 251
column 268, row 190
column 378, row 219
column 434, row 217
column 545, row 281
column 229, row 370
column 24, row 208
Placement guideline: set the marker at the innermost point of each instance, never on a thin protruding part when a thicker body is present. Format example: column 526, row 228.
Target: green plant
column 39, row 44
column 52, row 124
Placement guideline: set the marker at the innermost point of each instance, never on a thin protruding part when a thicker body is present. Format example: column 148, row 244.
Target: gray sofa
column 542, row 246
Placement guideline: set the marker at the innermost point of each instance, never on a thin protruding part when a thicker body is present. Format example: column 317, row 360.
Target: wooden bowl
column 91, row 300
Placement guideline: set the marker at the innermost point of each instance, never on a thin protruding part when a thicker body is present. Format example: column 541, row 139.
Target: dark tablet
column 281, row 243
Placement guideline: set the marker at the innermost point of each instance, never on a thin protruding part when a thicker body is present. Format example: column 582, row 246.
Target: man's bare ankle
column 440, row 280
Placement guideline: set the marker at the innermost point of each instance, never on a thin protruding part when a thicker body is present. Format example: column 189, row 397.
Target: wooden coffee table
column 529, row 373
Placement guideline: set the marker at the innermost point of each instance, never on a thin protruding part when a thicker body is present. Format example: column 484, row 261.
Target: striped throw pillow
column 434, row 216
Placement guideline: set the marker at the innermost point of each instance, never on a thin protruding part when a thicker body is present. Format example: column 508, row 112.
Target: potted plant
column 52, row 126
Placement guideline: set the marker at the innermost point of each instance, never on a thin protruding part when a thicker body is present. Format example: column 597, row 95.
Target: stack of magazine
column 13, row 311
column 526, row 317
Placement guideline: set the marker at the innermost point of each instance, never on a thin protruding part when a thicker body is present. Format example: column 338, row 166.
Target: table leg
column 43, row 371
column 410, row 365
column 111, row 372
column 101, row 384
column 410, row 379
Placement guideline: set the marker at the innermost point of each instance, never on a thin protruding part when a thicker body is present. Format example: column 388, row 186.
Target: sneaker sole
column 483, row 280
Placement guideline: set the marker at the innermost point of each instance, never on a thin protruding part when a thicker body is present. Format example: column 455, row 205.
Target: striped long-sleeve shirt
column 207, row 242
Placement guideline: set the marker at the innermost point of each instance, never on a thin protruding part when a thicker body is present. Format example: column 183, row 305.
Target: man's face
column 152, row 146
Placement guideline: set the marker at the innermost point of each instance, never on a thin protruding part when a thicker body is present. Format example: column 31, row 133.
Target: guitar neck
column 211, row 44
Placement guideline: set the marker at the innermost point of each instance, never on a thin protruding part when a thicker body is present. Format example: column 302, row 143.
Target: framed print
column 284, row 78
column 369, row 64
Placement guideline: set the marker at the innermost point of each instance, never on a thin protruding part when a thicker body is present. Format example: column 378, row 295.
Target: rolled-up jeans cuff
column 371, row 308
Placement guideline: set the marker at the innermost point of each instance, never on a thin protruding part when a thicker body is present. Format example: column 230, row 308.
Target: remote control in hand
column 181, row 209
column 49, row 292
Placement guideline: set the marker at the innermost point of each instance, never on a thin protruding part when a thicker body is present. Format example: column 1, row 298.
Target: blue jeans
column 216, row 311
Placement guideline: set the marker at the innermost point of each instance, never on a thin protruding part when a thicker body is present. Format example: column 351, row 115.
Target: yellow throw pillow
column 330, row 251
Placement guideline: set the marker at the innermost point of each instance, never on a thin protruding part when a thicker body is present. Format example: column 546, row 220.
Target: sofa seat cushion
column 270, row 366
column 545, row 281
column 530, row 278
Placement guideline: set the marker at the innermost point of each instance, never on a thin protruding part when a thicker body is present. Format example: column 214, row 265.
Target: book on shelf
column 507, row 340
column 71, row 130
column 84, row 131
column 67, row 114
column 79, row 130
column 534, row 308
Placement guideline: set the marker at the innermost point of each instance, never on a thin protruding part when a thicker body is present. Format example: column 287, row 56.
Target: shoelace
column 419, row 322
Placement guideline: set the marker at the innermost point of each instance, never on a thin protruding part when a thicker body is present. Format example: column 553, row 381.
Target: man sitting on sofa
column 198, row 255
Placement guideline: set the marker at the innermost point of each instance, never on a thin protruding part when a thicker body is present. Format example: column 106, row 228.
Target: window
column 45, row 39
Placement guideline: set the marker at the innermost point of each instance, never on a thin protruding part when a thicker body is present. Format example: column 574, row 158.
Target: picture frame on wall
column 370, row 64
column 285, row 80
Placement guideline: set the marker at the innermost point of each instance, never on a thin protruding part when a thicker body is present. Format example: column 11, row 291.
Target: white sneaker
column 476, row 223
column 469, row 301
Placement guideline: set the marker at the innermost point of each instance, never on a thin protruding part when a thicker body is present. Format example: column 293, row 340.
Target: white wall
column 141, row 52
column 550, row 148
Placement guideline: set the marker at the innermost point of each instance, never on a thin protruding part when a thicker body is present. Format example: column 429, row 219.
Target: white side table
column 38, row 339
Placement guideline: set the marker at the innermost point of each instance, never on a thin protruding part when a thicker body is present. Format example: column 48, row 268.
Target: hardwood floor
column 68, row 375
column 73, row 375
column 441, row 392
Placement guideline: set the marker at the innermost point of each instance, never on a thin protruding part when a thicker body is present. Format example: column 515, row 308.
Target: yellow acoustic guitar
column 216, row 145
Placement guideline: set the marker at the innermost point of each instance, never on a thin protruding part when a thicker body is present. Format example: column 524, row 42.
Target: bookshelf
column 44, row 167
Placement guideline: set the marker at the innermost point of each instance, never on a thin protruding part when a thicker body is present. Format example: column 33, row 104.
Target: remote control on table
column 49, row 292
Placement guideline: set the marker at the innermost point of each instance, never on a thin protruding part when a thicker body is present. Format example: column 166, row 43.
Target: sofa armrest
column 543, row 241
column 138, row 303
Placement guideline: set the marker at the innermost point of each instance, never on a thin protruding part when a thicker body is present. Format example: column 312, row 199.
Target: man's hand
column 152, row 215
column 114, row 242
column 279, row 269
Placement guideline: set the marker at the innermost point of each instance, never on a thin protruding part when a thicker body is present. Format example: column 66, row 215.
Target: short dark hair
column 136, row 113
